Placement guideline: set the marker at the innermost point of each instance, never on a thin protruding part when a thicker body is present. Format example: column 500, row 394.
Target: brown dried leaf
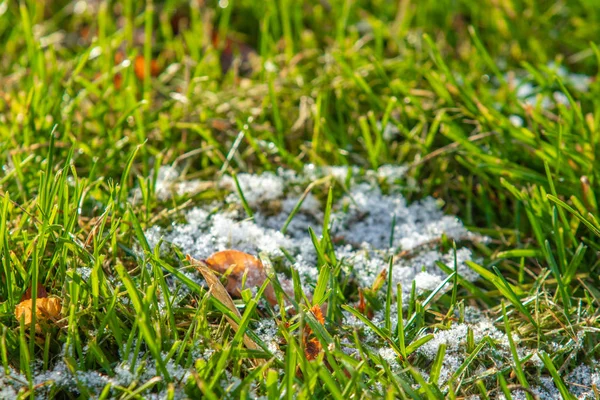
column 46, row 308
column 362, row 305
column 218, row 290
column 138, row 67
column 380, row 280
column 118, row 81
column 312, row 346
column 234, row 264
column 316, row 310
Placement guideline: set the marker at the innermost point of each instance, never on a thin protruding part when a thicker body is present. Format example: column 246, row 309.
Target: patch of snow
column 257, row 189
column 516, row 121
column 455, row 340
column 367, row 227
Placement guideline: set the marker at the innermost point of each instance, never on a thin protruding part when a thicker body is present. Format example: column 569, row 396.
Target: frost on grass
column 257, row 189
column 267, row 329
column 583, row 382
column 368, row 226
column 494, row 355
column 135, row 369
column 371, row 222
column 455, row 340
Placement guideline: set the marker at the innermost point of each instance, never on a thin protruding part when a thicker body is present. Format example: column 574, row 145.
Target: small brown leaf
column 138, row 67
column 312, row 348
column 316, row 310
column 46, row 308
column 234, row 264
column 218, row 290
column 380, row 280
column 362, row 305
column 118, row 81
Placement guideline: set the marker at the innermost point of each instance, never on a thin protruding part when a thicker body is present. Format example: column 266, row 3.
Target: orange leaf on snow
column 219, row 291
column 234, row 264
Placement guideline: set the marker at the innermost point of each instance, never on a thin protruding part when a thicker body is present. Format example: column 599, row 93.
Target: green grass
column 79, row 131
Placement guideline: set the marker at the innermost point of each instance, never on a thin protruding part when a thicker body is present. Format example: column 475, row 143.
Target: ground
column 414, row 181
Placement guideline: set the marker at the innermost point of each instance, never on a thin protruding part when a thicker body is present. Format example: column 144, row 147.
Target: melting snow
column 367, row 225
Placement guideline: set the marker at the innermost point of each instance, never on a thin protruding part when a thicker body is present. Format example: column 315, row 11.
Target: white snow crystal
column 516, row 121
column 427, row 281
column 367, row 228
column 256, row 189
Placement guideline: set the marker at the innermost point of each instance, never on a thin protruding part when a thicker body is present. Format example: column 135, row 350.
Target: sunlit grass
column 491, row 106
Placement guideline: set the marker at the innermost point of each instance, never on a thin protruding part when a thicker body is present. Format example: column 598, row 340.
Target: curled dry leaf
column 379, row 281
column 318, row 313
column 219, row 291
column 234, row 264
column 362, row 306
column 46, row 308
column 312, row 346
column 138, row 67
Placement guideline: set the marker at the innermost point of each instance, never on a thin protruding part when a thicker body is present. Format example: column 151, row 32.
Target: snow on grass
column 579, row 381
column 367, row 226
column 455, row 340
column 369, row 215
column 128, row 373
column 582, row 382
column 257, row 189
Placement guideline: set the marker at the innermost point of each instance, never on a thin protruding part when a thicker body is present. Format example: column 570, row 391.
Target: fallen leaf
column 362, row 305
column 234, row 264
column 46, row 308
column 318, row 313
column 218, row 290
column 119, row 57
column 380, row 280
column 118, row 81
column 138, row 67
column 312, row 346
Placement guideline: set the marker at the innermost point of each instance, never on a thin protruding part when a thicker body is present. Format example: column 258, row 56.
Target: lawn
column 316, row 199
